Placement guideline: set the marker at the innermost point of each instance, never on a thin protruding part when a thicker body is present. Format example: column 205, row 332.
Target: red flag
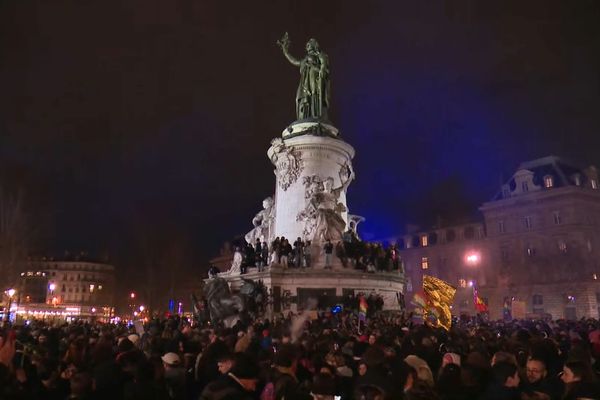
column 480, row 305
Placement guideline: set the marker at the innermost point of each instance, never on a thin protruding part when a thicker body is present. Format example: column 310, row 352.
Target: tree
column 15, row 236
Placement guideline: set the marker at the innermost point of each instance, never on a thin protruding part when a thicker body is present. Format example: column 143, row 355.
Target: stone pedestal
column 301, row 284
column 306, row 150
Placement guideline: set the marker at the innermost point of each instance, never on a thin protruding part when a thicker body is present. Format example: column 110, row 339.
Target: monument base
column 293, row 288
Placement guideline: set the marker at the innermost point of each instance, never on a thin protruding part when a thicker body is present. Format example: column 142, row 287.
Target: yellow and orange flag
column 439, row 295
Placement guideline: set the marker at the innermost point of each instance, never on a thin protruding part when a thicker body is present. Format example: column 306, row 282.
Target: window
column 530, row 251
column 469, row 232
column 594, row 184
column 538, row 299
column 504, row 253
column 548, row 181
column 64, row 289
column 450, row 235
column 589, row 245
column 424, row 241
column 524, row 187
column 527, row 221
column 562, row 246
column 501, row 228
column 556, row 215
column 424, row 263
column 577, row 179
column 462, row 283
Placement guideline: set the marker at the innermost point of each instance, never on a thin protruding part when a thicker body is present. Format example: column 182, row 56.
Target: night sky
column 132, row 123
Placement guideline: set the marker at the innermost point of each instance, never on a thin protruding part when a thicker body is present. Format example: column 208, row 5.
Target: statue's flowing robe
column 312, row 96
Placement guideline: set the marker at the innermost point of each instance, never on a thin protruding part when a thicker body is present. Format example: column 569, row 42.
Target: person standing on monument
column 298, row 252
column 258, row 255
column 264, row 252
column 312, row 96
column 307, row 256
column 284, row 252
column 328, row 248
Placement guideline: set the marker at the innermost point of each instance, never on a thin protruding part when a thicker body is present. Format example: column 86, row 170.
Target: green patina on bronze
column 312, row 96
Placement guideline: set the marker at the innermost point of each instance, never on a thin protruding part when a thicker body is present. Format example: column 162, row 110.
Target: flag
column 362, row 308
column 419, row 300
column 439, row 295
column 480, row 305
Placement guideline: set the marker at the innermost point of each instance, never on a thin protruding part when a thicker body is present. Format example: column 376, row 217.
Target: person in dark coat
column 239, row 383
column 580, row 381
column 504, row 384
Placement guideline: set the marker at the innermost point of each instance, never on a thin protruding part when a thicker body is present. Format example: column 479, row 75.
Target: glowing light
column 470, row 283
column 93, row 309
column 11, row 292
column 135, row 313
column 132, row 295
column 52, row 286
column 472, row 258
column 142, row 308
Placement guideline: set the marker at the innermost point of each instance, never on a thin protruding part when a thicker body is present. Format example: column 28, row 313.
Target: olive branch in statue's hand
column 284, row 42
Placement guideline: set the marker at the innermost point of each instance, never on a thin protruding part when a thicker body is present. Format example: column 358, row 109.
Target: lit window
column 527, row 221
column 577, row 180
column 557, row 219
column 501, row 228
column 462, row 283
column 424, row 263
column 562, row 246
column 594, row 184
column 530, row 251
column 424, row 242
column 548, row 181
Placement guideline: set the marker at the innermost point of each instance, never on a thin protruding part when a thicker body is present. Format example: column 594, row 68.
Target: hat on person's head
column 423, row 371
column 244, row 367
column 133, row 338
column 452, row 358
column 171, row 359
column 226, row 357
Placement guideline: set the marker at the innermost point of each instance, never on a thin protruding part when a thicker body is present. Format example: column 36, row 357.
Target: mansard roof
column 561, row 171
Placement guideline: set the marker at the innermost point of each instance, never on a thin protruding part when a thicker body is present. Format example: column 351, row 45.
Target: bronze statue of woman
column 312, row 96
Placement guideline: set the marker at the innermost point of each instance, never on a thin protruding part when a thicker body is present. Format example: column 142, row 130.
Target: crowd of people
column 299, row 253
column 327, row 356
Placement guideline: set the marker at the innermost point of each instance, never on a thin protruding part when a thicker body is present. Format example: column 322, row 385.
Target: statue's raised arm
column 284, row 43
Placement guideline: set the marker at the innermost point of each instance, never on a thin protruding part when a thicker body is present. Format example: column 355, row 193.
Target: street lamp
column 472, row 258
column 142, row 308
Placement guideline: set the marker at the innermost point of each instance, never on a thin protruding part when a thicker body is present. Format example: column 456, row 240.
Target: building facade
column 67, row 288
column 539, row 247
